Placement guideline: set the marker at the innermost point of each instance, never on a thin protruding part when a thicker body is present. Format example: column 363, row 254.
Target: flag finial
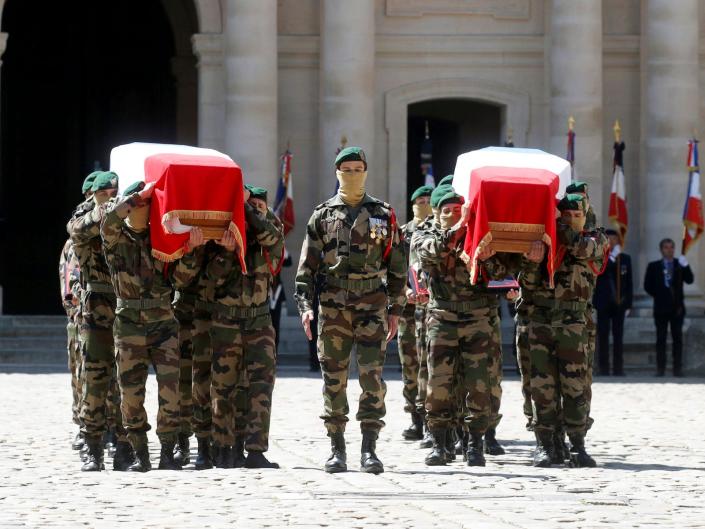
column 617, row 131
column 571, row 123
column 427, row 136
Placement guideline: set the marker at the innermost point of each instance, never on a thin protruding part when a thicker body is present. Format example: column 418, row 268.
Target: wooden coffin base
column 514, row 237
column 211, row 228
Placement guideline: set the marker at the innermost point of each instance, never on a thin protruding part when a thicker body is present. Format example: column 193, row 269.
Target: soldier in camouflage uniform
column 98, row 314
column 353, row 242
column 407, row 338
column 145, row 329
column 559, row 342
column 463, row 330
column 242, row 337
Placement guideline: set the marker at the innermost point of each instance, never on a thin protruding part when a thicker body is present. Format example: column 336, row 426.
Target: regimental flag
column 693, row 223
column 618, row 197
column 427, row 160
column 570, row 155
column 284, row 203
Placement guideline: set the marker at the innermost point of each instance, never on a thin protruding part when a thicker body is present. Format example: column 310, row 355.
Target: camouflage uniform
column 354, row 255
column 590, row 225
column 97, row 315
column 70, row 296
column 463, row 333
column 420, row 315
column 146, row 331
column 242, row 335
column 524, row 358
column 557, row 333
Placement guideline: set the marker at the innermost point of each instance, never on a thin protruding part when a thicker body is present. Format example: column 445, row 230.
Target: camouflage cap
column 257, row 192
column 577, row 187
column 572, row 202
column 438, row 194
column 351, row 154
column 88, row 182
column 105, row 180
column 133, row 188
column 451, row 198
column 423, row 191
column 448, row 179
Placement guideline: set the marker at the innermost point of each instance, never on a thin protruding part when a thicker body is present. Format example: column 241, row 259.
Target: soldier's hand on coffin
column 196, row 238
column 306, row 319
column 464, row 214
column 228, row 241
column 146, row 193
column 537, row 252
column 486, row 253
column 512, row 294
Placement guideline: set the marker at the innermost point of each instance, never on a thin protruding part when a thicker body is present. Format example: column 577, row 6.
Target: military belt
column 359, row 285
column 144, row 303
column 556, row 304
column 462, row 306
column 100, row 287
column 184, row 297
column 239, row 313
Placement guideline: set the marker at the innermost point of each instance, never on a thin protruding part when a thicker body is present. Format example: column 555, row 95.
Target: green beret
column 133, row 188
column 438, row 193
column 88, row 182
column 446, row 180
column 451, row 198
column 577, row 187
column 351, row 154
column 257, row 192
column 423, row 191
column 105, row 180
column 572, row 202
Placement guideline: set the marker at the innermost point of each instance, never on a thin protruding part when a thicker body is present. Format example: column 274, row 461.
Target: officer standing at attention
column 353, row 241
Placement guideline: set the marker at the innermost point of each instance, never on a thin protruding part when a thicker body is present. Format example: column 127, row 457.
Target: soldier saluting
column 352, row 241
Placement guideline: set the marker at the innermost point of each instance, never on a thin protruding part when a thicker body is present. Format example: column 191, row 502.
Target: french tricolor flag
column 284, row 203
column 618, row 197
column 693, row 211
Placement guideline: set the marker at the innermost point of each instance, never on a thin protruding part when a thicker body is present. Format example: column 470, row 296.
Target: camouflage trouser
column 496, row 376
column 408, row 357
column 338, row 330
column 202, row 355
column 559, row 370
column 524, row 362
column 253, row 393
column 73, row 348
column 422, row 350
column 98, row 354
column 592, row 336
column 184, row 315
column 466, row 344
column 139, row 345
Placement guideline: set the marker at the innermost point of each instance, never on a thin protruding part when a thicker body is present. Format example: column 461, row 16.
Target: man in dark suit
column 613, row 300
column 664, row 282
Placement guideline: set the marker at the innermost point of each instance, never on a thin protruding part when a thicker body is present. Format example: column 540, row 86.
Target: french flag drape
column 284, row 203
column 618, row 197
column 693, row 224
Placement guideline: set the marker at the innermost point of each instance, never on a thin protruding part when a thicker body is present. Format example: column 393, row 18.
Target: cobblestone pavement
column 649, row 440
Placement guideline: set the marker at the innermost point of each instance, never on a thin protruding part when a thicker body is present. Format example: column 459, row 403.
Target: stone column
column 576, row 89
column 251, row 89
column 208, row 48
column 670, row 112
column 347, row 67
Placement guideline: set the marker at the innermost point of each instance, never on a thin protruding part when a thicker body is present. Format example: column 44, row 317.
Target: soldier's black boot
column 239, row 453
column 437, row 456
column 492, row 447
column 256, row 459
column 94, row 459
column 544, row 449
column 561, row 453
column 182, row 452
column 459, row 436
column 579, row 457
column 337, row 460
column 123, row 457
column 451, row 438
column 83, row 452
column 415, row 431
column 222, row 456
column 475, row 456
column 109, row 441
column 78, row 441
column 427, row 441
column 204, row 459
column 369, row 462
column 141, row 449
column 166, row 457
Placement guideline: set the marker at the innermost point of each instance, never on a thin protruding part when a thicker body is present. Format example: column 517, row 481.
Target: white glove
column 683, row 261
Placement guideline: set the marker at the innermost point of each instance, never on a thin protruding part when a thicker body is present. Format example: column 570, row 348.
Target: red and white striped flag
column 618, row 197
column 693, row 224
column 284, row 204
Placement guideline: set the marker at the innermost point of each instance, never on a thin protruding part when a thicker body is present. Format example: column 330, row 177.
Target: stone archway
column 515, row 107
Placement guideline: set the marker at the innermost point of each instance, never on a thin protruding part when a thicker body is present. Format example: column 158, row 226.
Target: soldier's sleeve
column 310, row 260
column 397, row 268
column 590, row 247
column 531, row 275
column 276, row 250
column 85, row 227
column 186, row 269
column 266, row 227
column 64, row 287
column 114, row 219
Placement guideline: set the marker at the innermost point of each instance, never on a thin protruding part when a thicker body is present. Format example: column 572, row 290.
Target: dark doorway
column 78, row 78
column 455, row 126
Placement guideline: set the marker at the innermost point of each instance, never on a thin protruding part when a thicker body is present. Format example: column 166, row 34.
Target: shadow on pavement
column 646, row 467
